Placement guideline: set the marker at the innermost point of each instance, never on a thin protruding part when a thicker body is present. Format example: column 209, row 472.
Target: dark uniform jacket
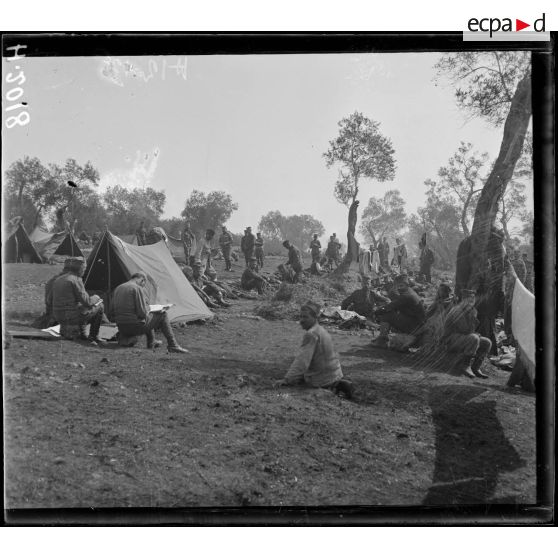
column 69, row 298
column 129, row 304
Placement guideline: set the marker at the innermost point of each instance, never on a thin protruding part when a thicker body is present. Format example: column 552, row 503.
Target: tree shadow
column 471, row 448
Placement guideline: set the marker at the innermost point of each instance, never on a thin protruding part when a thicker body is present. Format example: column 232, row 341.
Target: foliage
column 440, row 220
column 383, row 216
column 460, row 182
column 37, row 191
column 296, row 228
column 172, row 226
column 209, row 210
column 485, row 82
column 362, row 152
column 126, row 208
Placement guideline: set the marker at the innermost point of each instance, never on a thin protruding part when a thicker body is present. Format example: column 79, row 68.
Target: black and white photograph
column 276, row 272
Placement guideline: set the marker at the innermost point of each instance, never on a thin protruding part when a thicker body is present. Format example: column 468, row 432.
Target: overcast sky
column 255, row 126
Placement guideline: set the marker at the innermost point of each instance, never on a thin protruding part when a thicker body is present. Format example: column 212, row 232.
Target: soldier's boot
column 83, row 332
column 94, row 329
column 172, row 344
column 464, row 367
column 476, row 365
column 152, row 343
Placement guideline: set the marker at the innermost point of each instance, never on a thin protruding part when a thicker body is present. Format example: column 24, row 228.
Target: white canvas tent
column 113, row 261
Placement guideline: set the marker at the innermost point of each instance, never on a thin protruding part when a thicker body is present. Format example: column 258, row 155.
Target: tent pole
column 108, row 274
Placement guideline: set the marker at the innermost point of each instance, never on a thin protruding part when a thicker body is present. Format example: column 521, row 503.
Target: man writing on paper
column 72, row 307
column 130, row 311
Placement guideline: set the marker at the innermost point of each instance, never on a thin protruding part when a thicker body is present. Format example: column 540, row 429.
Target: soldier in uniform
column 188, row 239
column 294, row 261
column 315, row 249
column 130, row 309
column 364, row 301
column 251, row 279
column 141, row 234
column 405, row 312
column 247, row 244
column 317, row 363
column 225, row 243
column 259, row 244
column 72, row 306
column 426, row 261
column 460, row 336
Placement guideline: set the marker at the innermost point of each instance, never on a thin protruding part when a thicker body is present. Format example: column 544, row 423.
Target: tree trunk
column 352, row 244
column 495, row 186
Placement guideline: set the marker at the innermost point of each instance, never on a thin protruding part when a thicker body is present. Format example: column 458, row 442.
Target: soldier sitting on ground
column 405, row 313
column 317, row 363
column 251, row 279
column 460, row 336
column 364, row 301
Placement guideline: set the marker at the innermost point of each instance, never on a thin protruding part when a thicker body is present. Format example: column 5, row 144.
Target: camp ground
column 364, row 331
column 55, row 245
column 112, row 262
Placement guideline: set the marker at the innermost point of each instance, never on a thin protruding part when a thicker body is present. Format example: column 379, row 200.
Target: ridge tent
column 19, row 248
column 174, row 245
column 112, row 262
column 55, row 244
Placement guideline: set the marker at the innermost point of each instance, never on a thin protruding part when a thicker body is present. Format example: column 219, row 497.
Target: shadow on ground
column 471, row 448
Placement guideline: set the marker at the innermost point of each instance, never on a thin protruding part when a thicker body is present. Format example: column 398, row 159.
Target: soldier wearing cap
column 188, row 240
column 251, row 279
column 317, row 363
column 206, row 247
column 225, row 243
column 130, row 310
column 203, row 284
column 259, row 251
column 247, row 244
column 460, row 336
column 364, row 301
column 405, row 312
column 72, row 306
column 294, row 261
column 315, row 249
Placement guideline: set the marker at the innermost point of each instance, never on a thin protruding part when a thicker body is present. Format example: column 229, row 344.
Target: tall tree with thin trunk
column 361, row 152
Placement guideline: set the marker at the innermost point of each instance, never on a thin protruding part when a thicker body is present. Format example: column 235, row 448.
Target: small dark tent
column 50, row 245
column 113, row 262
column 18, row 247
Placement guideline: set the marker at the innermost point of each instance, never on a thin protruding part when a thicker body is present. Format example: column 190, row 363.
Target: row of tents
column 113, row 261
column 39, row 246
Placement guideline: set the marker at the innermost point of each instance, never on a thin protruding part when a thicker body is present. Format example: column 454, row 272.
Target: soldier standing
column 225, row 243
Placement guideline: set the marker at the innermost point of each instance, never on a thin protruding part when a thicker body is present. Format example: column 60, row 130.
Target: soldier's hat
column 73, row 264
column 197, row 263
column 312, row 307
column 253, row 259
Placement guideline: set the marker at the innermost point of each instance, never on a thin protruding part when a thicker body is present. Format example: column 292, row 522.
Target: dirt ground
column 104, row 427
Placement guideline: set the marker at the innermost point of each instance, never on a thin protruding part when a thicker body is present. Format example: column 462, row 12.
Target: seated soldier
column 363, row 301
column 405, row 313
column 251, row 279
column 130, row 310
column 294, row 261
column 72, row 307
column 317, row 364
column 460, row 337
column 203, row 283
column 431, row 331
column 47, row 319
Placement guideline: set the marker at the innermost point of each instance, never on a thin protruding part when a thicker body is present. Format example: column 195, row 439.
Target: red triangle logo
column 519, row 25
